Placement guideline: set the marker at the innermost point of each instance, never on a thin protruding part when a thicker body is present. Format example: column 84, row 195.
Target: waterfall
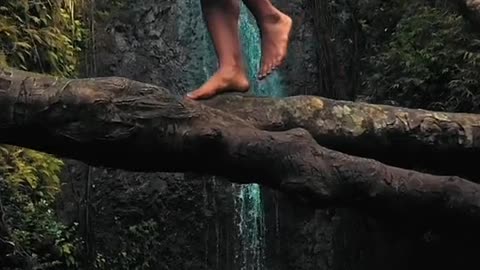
column 252, row 50
column 249, row 216
column 251, row 223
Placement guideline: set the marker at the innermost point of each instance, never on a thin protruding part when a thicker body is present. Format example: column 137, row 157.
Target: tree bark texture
column 116, row 122
column 337, row 48
column 441, row 143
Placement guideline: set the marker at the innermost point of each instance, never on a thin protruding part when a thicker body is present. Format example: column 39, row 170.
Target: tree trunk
column 337, row 48
column 126, row 124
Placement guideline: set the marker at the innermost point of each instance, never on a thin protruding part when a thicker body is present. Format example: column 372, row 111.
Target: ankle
column 233, row 77
column 230, row 68
column 270, row 16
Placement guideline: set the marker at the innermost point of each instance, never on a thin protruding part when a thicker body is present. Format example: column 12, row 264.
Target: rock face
column 167, row 44
column 178, row 221
column 170, row 221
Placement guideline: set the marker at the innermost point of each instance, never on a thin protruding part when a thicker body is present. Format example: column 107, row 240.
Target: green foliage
column 48, row 242
column 33, row 181
column 42, row 36
column 35, row 173
column 430, row 62
column 138, row 242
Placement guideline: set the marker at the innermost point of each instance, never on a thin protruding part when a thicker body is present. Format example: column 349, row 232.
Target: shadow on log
column 120, row 123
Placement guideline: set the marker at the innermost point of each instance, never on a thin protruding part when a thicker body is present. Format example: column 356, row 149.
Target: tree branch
column 441, row 143
column 120, row 123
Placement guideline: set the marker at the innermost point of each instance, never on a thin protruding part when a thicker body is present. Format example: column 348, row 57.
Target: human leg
column 275, row 27
column 222, row 22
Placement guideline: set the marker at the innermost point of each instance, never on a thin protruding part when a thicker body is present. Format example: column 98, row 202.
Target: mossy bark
column 437, row 142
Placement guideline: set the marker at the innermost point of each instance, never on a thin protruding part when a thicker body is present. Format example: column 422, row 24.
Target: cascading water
column 248, row 198
column 249, row 216
column 252, row 50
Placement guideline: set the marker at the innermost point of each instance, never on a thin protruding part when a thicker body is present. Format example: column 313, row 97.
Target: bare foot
column 224, row 80
column 275, row 38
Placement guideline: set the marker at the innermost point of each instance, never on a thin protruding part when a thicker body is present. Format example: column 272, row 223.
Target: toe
column 270, row 69
column 196, row 95
column 200, row 94
column 192, row 95
column 260, row 75
column 263, row 72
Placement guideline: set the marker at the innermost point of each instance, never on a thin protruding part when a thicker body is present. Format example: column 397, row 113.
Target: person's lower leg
column 275, row 27
column 222, row 22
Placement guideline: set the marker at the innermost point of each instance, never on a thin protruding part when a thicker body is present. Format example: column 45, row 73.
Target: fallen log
column 126, row 124
column 435, row 142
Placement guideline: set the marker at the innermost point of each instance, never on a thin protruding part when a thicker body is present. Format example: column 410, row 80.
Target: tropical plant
column 44, row 36
column 430, row 62
column 35, row 173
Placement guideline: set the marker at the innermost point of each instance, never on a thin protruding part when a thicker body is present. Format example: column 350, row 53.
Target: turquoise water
column 251, row 43
column 249, row 216
column 248, row 200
